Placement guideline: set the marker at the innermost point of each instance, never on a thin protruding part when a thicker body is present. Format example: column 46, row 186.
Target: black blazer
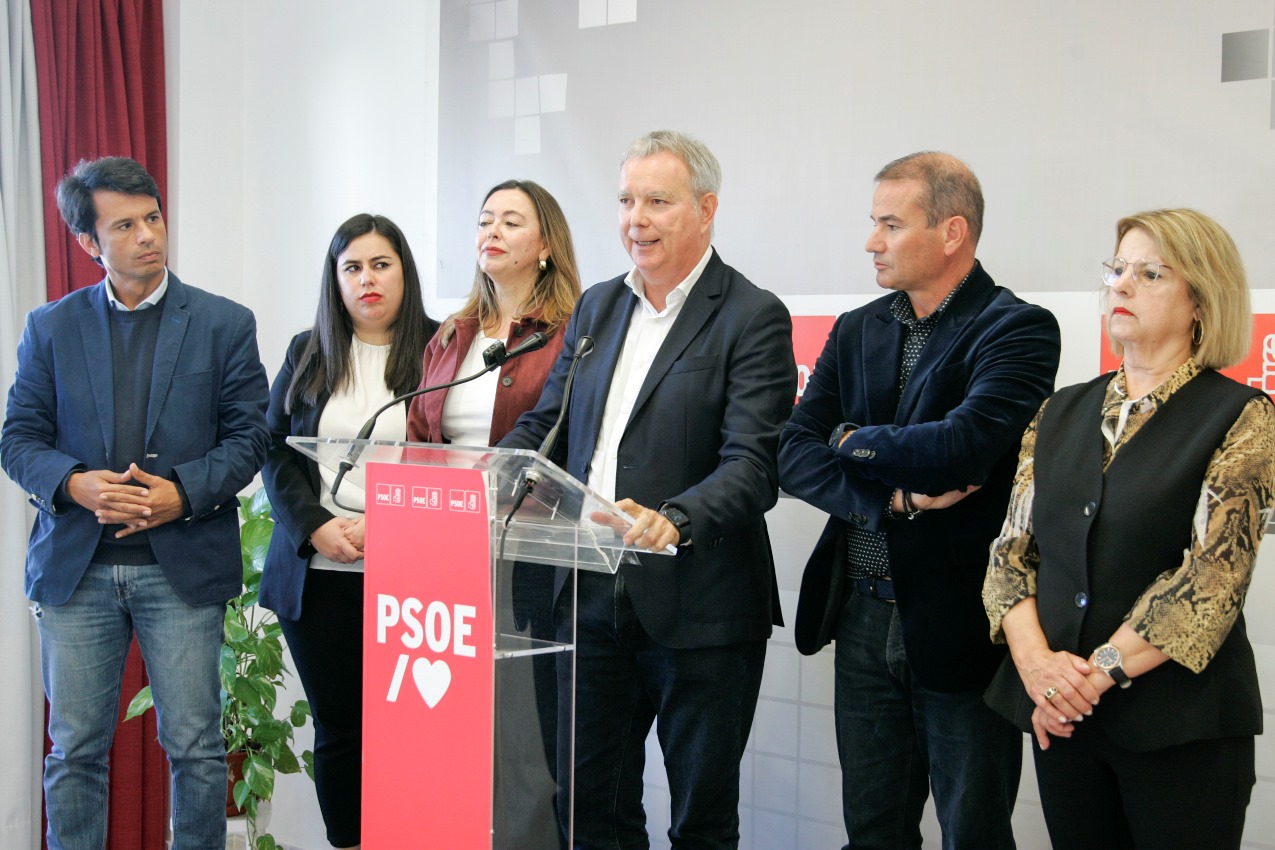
column 702, row 436
column 293, row 484
column 983, row 373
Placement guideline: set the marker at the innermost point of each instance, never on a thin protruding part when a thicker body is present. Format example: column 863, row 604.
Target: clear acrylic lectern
column 468, row 643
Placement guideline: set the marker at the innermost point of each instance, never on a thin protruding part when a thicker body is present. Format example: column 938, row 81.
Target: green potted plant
column 252, row 671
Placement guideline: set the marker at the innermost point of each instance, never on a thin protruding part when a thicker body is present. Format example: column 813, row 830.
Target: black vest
column 1103, row 538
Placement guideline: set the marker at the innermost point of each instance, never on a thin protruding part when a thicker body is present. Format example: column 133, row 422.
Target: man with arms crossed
column 907, row 435
column 677, row 414
column 137, row 414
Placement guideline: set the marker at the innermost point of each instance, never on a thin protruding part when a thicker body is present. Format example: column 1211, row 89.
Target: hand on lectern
column 651, row 529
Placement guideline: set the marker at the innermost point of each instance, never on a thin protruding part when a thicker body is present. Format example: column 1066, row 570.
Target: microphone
column 493, row 358
column 584, row 346
column 535, row 342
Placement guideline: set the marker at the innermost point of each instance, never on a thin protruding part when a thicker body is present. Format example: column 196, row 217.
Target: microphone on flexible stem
column 584, row 345
column 493, row 358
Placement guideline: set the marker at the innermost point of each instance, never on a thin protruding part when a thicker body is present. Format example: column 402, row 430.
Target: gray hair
column 706, row 173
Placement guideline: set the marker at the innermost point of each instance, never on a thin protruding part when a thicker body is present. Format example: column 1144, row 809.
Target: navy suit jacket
column 294, row 485
column 702, row 437
column 983, row 373
column 205, row 427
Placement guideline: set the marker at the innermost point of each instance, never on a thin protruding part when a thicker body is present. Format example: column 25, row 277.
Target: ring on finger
column 1051, row 693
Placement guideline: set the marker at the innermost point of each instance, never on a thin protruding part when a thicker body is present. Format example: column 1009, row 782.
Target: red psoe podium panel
column 428, row 661
column 468, row 652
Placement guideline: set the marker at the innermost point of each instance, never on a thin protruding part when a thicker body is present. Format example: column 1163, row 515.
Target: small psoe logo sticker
column 463, row 501
column 427, row 498
column 390, row 494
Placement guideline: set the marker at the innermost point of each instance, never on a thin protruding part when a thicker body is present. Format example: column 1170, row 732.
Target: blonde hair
column 1203, row 253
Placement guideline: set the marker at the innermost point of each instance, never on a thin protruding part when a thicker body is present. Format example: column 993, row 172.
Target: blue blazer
column 983, row 373
column 702, row 436
column 205, row 427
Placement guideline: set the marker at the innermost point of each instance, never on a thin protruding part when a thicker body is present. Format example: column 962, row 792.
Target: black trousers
column 1098, row 795
column 327, row 651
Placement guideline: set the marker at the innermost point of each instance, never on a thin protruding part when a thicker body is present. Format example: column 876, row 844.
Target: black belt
column 879, row 588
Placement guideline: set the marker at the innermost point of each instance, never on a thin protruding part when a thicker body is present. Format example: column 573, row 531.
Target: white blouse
column 344, row 415
column 467, row 408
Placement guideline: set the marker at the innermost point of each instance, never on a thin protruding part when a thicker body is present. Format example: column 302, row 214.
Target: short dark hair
column 950, row 187
column 110, row 173
column 324, row 364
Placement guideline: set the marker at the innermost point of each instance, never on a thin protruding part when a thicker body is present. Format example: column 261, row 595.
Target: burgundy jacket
column 521, row 379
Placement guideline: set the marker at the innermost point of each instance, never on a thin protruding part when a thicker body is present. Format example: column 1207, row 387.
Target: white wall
column 285, row 118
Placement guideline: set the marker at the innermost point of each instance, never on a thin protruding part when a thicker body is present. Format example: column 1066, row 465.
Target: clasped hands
column 1065, row 689
column 340, row 539
column 150, row 502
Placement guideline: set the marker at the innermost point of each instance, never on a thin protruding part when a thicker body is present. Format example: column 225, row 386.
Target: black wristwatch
column 1108, row 659
column 681, row 521
column 834, row 439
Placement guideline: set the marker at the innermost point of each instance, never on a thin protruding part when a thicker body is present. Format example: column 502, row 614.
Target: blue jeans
column 897, row 739
column 702, row 702
column 83, row 646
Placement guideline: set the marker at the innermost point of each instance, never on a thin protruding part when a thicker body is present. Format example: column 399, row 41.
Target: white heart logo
column 432, row 679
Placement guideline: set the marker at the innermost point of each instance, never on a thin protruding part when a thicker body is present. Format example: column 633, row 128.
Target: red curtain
column 100, row 75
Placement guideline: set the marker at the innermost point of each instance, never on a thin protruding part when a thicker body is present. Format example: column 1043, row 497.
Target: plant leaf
column 300, row 711
column 259, row 775
column 143, row 703
column 261, row 503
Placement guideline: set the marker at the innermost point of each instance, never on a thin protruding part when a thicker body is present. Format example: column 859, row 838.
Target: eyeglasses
column 1145, row 272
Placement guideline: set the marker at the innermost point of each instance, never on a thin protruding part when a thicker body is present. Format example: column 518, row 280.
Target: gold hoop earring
column 1197, row 333
column 544, row 264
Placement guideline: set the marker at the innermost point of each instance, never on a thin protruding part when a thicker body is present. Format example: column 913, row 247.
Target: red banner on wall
column 809, row 334
column 427, row 660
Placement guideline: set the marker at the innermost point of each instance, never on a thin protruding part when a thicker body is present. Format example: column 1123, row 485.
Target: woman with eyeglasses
column 1119, row 577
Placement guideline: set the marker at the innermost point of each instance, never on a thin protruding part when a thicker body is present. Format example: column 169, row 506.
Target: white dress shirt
column 647, row 331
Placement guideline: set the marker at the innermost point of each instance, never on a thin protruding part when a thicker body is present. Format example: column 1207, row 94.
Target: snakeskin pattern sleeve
column 1011, row 573
column 1187, row 612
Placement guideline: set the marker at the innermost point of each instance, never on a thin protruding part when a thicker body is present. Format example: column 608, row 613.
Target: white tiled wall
column 790, row 790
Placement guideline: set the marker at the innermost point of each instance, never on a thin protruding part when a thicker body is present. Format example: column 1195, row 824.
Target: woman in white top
column 525, row 280
column 365, row 348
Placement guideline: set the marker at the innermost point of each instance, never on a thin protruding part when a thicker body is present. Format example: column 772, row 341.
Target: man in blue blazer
column 676, row 413
column 137, row 414
column 907, row 435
